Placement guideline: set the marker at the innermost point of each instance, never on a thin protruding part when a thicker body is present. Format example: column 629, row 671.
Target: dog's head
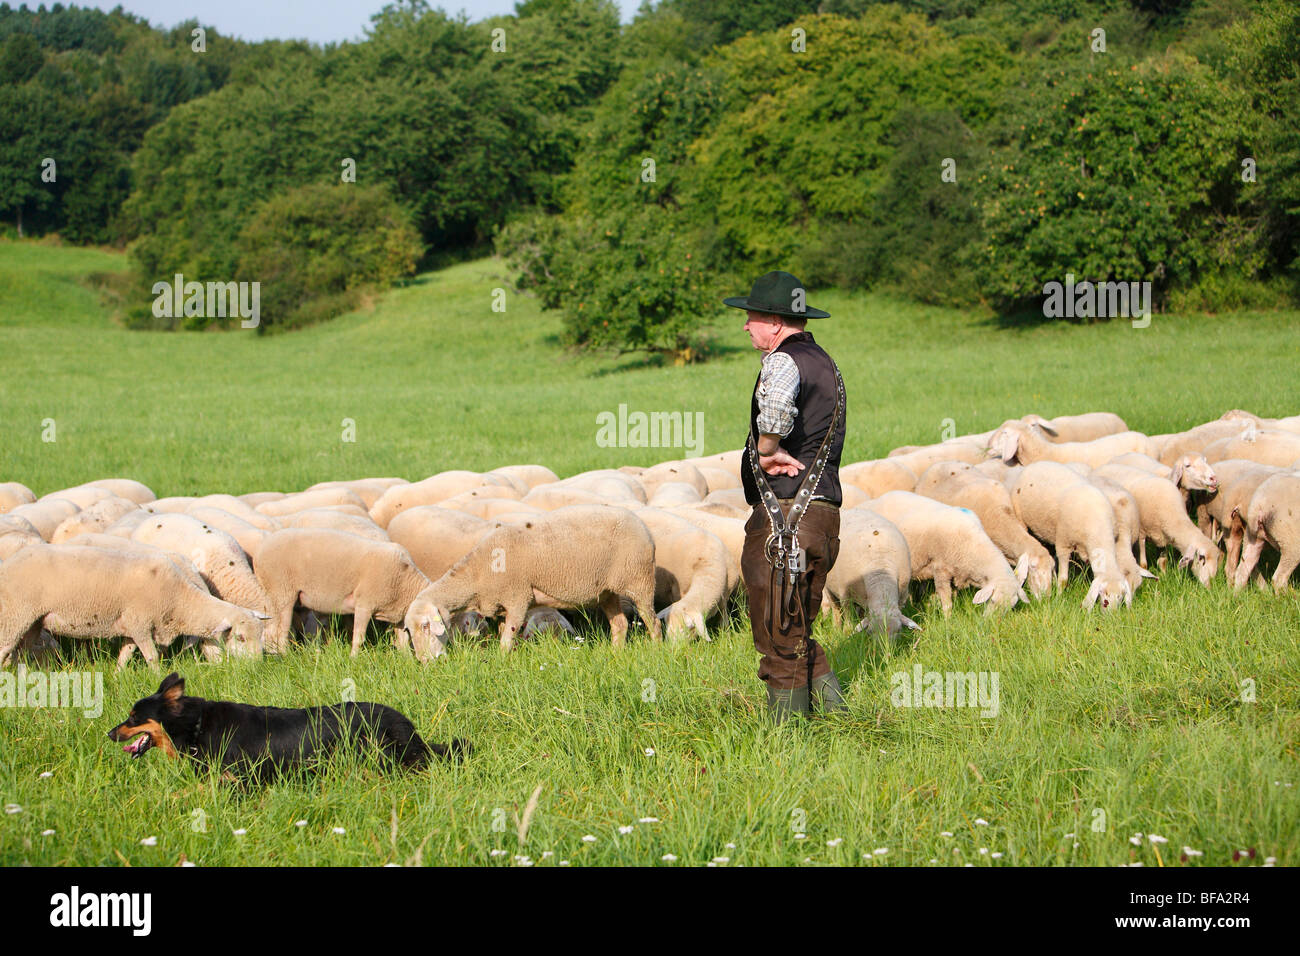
column 143, row 727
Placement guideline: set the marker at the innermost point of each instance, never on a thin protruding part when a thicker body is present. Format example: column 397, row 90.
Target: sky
column 321, row 21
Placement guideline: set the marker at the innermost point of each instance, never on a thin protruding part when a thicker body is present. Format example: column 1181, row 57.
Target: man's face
column 763, row 330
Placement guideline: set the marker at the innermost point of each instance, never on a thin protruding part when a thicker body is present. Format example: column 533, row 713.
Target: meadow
column 1177, row 717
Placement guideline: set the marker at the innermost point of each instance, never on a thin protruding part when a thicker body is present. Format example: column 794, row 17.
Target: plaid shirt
column 778, row 387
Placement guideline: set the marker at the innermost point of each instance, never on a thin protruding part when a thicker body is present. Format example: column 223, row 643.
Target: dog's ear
column 172, row 690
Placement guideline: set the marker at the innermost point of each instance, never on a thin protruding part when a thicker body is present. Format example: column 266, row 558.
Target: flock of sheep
column 456, row 551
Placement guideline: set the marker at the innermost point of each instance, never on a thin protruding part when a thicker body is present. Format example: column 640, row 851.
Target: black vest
column 816, row 403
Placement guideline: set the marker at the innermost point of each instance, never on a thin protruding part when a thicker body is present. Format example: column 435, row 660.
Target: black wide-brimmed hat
column 777, row 293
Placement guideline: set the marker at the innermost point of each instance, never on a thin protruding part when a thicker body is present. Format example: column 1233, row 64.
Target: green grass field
column 1139, row 721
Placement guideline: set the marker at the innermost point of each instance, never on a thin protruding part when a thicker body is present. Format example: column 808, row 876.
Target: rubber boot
column 781, row 703
column 827, row 694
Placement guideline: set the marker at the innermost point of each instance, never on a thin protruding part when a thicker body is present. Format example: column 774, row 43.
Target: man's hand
column 780, row 462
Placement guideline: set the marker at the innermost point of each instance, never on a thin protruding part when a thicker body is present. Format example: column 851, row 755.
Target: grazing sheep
column 174, row 505
column 1061, row 507
column 922, row 458
column 728, row 461
column 436, row 537
column 1276, row 448
column 718, row 479
column 234, row 506
column 83, row 496
column 430, row 491
column 125, row 526
column 948, row 545
column 112, row 542
column 851, row 496
column 528, row 475
column 690, row 572
column 1194, row 440
column 873, row 571
column 46, row 515
column 335, row 521
column 336, row 573
column 13, row 494
column 554, row 497
column 93, row 519
column 367, row 489
column 571, row 557
column 93, row 592
column 999, row 470
column 733, row 498
column 671, row 472
column 878, row 476
column 476, row 501
column 1224, row 514
column 16, row 533
column 248, row 536
column 1162, row 519
column 1015, row 441
column 320, row 498
column 958, row 484
column 127, row 488
column 1128, row 524
column 490, row 509
column 1273, row 518
column 671, row 494
column 1190, row 472
column 1290, row 424
column 218, row 556
column 255, row 498
column 730, row 531
column 608, row 483
column 1079, row 428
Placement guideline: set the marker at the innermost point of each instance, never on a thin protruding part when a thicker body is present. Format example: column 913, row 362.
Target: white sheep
column 554, row 497
column 430, row 491
column 336, row 521
column 13, row 494
column 672, row 494
column 1273, row 518
column 16, row 533
column 948, row 546
column 570, row 557
column 717, row 479
column 367, row 489
column 1270, row 447
column 46, row 515
column 1128, row 524
column 127, row 488
column 1173, row 445
column 1162, row 519
column 690, row 572
column 1079, row 428
column 879, row 476
column 218, row 556
column 608, row 483
column 83, row 496
column 672, row 472
column 730, row 531
column 90, row 592
column 872, row 571
column 529, row 476
column 960, row 485
column 93, row 519
column 334, row 572
column 255, row 498
column 1015, row 441
column 436, row 537
column 1223, row 514
column 248, row 536
column 233, row 506
column 1062, row 508
column 320, row 498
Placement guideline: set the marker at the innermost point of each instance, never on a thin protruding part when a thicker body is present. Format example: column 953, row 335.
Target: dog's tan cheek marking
column 157, row 736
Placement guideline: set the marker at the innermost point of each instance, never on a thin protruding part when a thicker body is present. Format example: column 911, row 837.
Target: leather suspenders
column 782, row 548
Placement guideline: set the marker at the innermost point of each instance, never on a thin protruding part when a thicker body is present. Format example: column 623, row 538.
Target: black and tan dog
column 263, row 741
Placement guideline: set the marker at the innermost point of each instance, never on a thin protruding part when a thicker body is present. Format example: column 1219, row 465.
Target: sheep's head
column 1193, row 473
column 1109, row 589
column 1005, row 442
column 426, row 627
column 1203, row 561
column 241, row 633
column 1001, row 594
column 1037, row 571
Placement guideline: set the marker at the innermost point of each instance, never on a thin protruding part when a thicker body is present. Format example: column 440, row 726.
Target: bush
column 316, row 249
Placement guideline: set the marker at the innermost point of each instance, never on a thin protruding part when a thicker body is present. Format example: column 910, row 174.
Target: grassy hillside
column 1140, row 715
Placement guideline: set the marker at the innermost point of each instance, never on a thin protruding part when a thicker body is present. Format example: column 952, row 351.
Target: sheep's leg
column 612, row 605
column 511, row 626
column 148, row 650
column 1142, row 554
column 1235, row 536
column 1063, row 566
column 276, row 632
column 7, row 645
column 125, row 653
column 1286, row 564
column 943, row 587
column 1249, row 558
column 360, row 621
column 831, row 609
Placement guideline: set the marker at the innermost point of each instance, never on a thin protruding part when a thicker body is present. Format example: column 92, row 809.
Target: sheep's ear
column 1022, row 568
column 983, row 594
column 1094, row 592
column 1020, row 593
column 222, row 629
column 1146, row 574
column 1177, row 476
column 1041, row 423
column 259, row 615
column 1185, row 560
column 909, row 623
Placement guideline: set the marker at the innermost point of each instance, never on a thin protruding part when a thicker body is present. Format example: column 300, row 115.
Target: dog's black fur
column 263, row 741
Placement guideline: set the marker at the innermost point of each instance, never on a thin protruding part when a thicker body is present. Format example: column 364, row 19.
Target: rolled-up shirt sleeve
column 778, row 388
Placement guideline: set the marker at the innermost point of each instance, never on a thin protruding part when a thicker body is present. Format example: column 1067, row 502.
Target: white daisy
column 149, row 841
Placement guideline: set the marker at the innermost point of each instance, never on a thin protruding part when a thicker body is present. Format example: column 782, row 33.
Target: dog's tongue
column 136, row 747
